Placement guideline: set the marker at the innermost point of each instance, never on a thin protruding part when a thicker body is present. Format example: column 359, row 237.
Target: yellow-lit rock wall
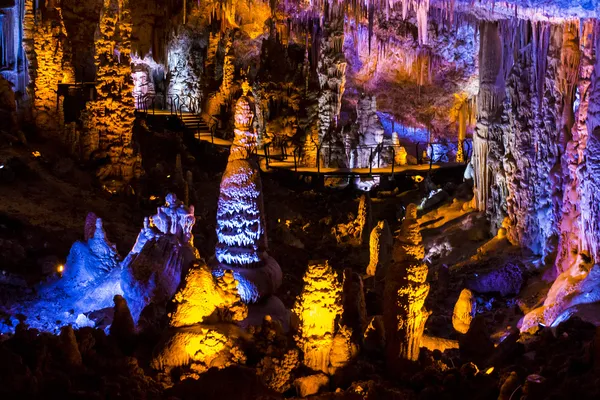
column 46, row 47
column 109, row 119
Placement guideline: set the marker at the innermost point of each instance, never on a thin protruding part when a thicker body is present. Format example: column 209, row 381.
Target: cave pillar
column 406, row 288
column 489, row 101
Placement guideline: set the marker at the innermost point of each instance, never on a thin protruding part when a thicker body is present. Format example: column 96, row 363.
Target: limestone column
column 489, row 101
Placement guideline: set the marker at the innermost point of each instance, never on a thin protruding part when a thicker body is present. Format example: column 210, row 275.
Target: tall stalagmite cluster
column 318, row 308
column 50, row 63
column 109, row 120
column 405, row 292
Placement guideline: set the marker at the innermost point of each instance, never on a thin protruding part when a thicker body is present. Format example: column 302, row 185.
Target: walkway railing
column 376, row 157
column 150, row 103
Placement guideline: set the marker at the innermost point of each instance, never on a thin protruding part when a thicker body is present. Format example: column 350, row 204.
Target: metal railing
column 380, row 154
column 150, row 103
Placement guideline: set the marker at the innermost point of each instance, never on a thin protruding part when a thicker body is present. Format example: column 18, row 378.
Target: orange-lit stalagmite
column 109, row 120
column 318, row 308
column 405, row 292
column 202, row 332
column 46, row 45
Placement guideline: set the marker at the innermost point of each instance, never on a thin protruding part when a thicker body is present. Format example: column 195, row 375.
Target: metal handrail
column 375, row 152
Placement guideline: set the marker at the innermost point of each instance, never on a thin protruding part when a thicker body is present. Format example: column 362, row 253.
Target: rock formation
column 380, row 250
column 331, row 69
column 405, row 292
column 8, row 108
column 464, row 311
column 277, row 372
column 49, row 52
column 109, row 119
column 357, row 231
column 202, row 332
column 242, row 241
column 353, row 303
column 318, row 309
column 164, row 249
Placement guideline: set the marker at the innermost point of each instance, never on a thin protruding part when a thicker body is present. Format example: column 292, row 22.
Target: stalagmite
column 357, row 231
column 203, row 294
column 464, row 311
column 405, row 292
column 109, row 119
column 318, row 308
column 400, row 153
column 51, row 64
column 380, row 246
column 160, row 257
column 241, row 234
column 202, row 332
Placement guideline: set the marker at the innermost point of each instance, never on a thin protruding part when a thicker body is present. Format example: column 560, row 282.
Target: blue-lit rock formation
column 160, row 257
column 242, row 241
column 89, row 280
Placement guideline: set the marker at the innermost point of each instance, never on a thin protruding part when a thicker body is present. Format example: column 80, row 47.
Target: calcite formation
column 277, row 372
column 578, row 285
column 318, row 308
column 49, row 52
column 158, row 261
column 405, row 292
column 204, row 294
column 331, row 69
column 464, row 311
column 380, row 250
column 242, row 241
column 202, row 332
column 370, row 136
column 357, row 231
column 108, row 120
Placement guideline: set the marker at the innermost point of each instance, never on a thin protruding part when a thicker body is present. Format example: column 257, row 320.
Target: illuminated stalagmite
column 406, row 289
column 318, row 308
column 464, row 311
column 202, row 333
column 109, row 119
column 50, row 64
column 357, row 231
column 160, row 257
column 380, row 249
column 241, row 233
